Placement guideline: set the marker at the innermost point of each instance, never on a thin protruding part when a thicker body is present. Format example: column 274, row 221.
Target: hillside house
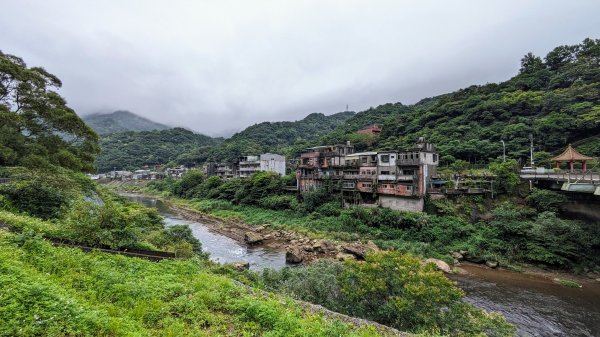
column 393, row 179
column 270, row 162
column 373, row 129
column 248, row 165
column 321, row 162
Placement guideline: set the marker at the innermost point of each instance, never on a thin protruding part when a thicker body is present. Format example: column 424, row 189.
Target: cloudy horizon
column 218, row 67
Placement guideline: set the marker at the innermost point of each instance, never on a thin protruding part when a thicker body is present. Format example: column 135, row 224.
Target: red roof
column 570, row 154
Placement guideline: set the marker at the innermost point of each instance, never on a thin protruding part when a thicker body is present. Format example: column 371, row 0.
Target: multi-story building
column 271, row 162
column 247, row 166
column 398, row 180
column 320, row 163
column 226, row 170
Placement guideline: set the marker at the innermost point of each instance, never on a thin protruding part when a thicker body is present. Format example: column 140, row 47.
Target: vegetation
column 65, row 292
column 568, row 283
column 414, row 297
column 121, row 121
column 37, row 128
column 286, row 138
column 134, row 150
column 509, row 233
column 555, row 99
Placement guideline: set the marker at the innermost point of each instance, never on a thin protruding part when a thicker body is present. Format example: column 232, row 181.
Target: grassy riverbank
column 62, row 291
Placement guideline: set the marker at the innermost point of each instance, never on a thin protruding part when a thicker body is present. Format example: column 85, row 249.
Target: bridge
column 572, row 181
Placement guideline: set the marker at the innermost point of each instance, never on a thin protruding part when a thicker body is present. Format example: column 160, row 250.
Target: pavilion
column 571, row 155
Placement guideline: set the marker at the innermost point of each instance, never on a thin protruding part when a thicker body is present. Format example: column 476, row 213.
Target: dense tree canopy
column 132, row 150
column 37, row 128
column 286, row 138
column 556, row 99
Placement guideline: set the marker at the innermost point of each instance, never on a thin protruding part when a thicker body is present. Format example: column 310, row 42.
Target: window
column 435, row 157
column 409, row 188
column 385, row 158
column 364, row 160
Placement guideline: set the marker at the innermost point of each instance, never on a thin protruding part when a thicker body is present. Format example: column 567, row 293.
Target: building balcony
column 386, row 177
column 408, row 162
column 360, row 176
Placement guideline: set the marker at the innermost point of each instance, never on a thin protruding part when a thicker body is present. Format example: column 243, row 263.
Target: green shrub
column 35, row 197
column 277, row 202
column 546, row 200
column 389, row 288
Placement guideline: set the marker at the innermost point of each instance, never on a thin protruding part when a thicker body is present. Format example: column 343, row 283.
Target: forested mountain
column 132, row 150
column 280, row 137
column 121, row 121
column 556, row 99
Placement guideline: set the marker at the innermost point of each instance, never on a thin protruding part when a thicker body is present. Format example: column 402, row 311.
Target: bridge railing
column 562, row 175
column 4, row 180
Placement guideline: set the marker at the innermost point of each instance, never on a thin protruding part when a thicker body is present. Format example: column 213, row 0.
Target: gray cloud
column 217, row 66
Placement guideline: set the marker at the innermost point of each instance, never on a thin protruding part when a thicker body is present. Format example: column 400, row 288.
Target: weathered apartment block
column 320, row 163
column 394, row 179
column 247, row 166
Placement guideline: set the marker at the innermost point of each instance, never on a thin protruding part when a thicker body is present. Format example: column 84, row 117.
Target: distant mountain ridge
column 121, row 121
column 285, row 138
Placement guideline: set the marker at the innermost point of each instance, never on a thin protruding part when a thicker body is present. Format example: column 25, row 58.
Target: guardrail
column 562, row 176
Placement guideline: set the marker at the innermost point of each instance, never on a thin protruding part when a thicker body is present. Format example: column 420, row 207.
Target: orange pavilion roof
column 570, row 154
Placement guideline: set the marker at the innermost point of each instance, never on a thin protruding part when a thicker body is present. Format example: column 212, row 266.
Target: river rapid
column 536, row 305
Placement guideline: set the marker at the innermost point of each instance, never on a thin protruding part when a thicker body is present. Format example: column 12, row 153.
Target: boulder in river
column 240, row 265
column 441, row 265
column 294, row 255
column 473, row 258
column 491, row 264
column 458, row 256
column 252, row 238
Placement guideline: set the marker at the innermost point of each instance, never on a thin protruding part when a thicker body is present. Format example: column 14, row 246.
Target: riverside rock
column 458, row 256
column 441, row 265
column 252, row 238
column 294, row 255
column 345, row 257
column 491, row 264
column 241, row 266
column 360, row 250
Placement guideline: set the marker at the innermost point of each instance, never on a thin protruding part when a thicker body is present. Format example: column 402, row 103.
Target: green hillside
column 558, row 102
column 280, row 137
column 132, row 150
column 556, row 99
column 121, row 121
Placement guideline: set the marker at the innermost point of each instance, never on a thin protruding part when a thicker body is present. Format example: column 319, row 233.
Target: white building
column 272, row 163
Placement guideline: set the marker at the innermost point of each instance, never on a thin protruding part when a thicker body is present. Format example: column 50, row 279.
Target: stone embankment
column 299, row 248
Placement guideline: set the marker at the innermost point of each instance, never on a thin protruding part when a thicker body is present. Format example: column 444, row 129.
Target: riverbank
column 529, row 299
column 300, row 247
column 288, row 234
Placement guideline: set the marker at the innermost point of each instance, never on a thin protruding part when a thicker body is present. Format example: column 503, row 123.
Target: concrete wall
column 402, row 204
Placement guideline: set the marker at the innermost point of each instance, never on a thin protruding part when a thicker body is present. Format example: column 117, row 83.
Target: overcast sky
column 219, row 66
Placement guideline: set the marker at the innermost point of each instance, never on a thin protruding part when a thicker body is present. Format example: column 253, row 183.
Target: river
column 536, row 305
column 221, row 248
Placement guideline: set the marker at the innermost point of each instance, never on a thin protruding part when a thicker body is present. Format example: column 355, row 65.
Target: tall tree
column 37, row 128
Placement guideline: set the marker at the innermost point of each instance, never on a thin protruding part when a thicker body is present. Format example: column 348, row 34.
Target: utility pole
column 503, row 151
column 531, row 149
column 347, row 108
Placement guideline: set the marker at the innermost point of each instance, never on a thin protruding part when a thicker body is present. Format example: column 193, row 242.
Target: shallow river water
column 536, row 305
